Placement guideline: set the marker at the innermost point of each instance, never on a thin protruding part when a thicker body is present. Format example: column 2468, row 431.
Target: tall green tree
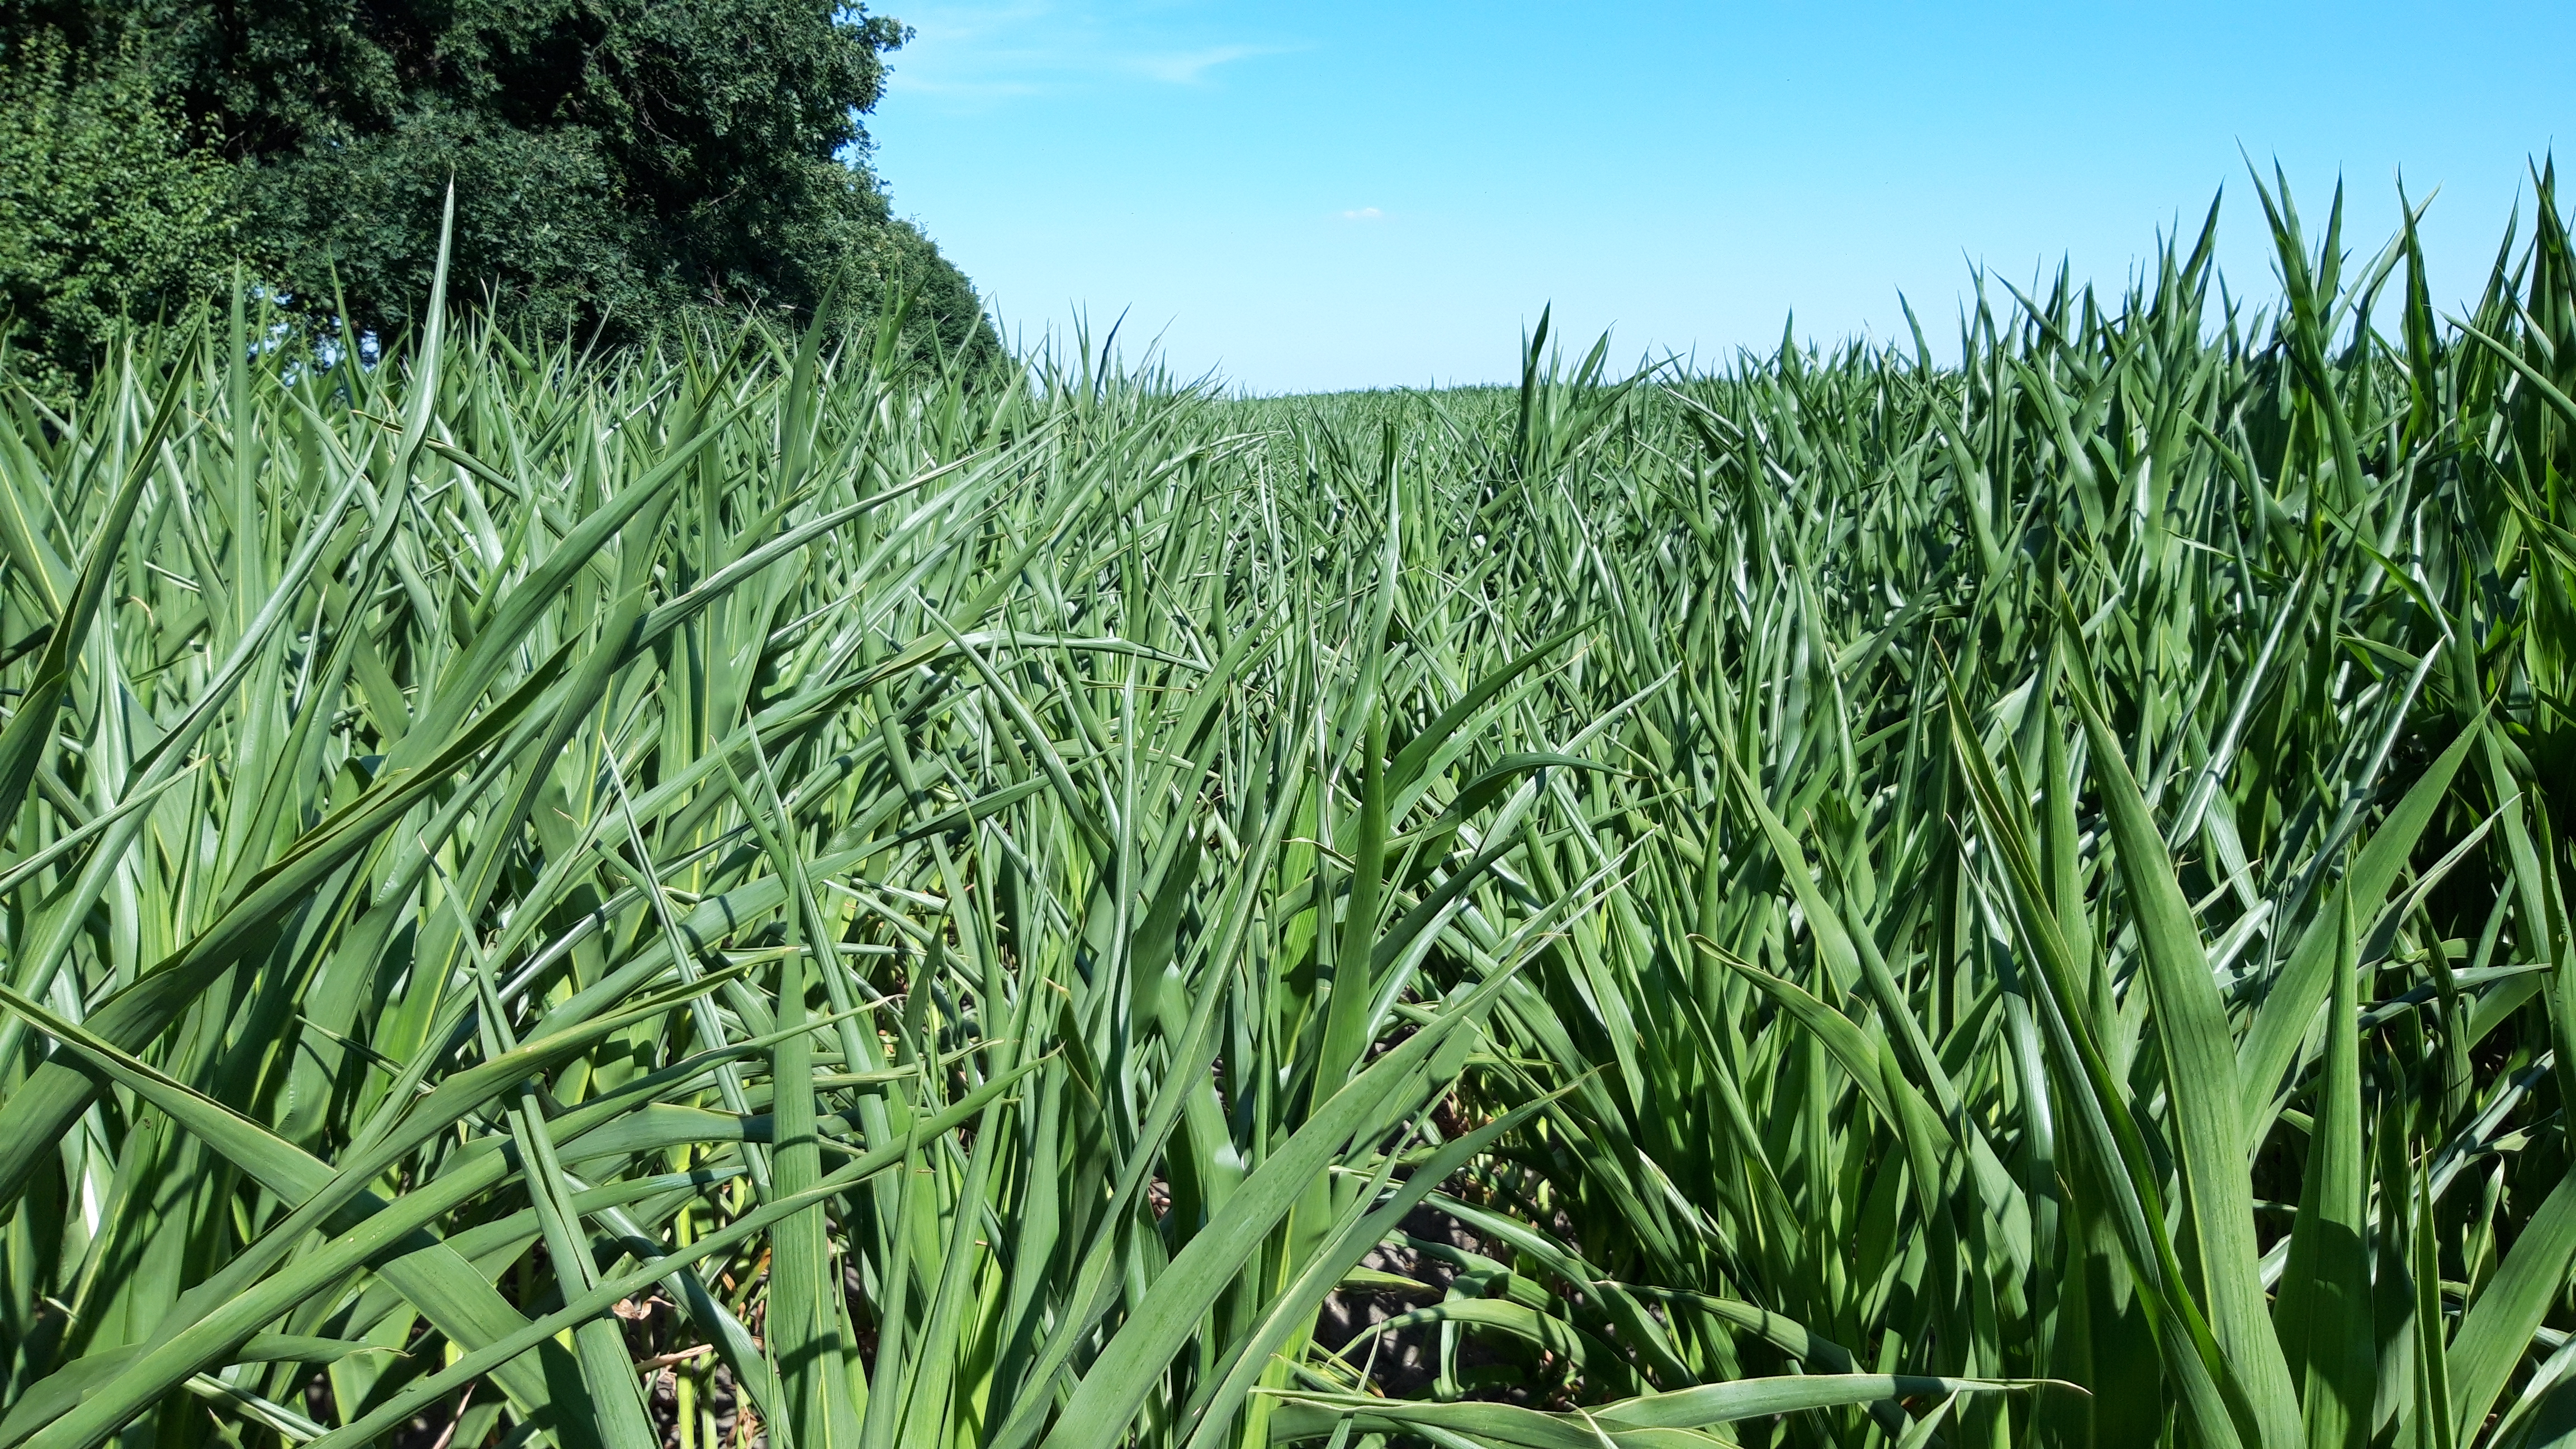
column 108, row 208
column 618, row 163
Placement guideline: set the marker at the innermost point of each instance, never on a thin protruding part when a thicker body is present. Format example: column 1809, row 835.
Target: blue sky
column 1327, row 195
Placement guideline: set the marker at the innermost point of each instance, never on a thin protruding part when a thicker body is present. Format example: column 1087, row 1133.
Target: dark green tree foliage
column 619, row 164
column 107, row 209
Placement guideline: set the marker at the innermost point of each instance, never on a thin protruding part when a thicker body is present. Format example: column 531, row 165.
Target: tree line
column 620, row 165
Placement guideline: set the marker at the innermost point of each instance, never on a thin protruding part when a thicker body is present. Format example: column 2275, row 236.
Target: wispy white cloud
column 1365, row 213
column 1190, row 68
column 996, row 52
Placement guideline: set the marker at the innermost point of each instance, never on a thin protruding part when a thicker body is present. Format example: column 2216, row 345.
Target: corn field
column 747, row 891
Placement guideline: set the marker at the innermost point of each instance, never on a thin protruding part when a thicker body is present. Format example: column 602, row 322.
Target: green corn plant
column 2090, row 910
column 748, row 892
column 734, row 888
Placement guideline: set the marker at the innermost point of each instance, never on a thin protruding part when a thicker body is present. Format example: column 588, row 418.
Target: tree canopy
column 618, row 163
